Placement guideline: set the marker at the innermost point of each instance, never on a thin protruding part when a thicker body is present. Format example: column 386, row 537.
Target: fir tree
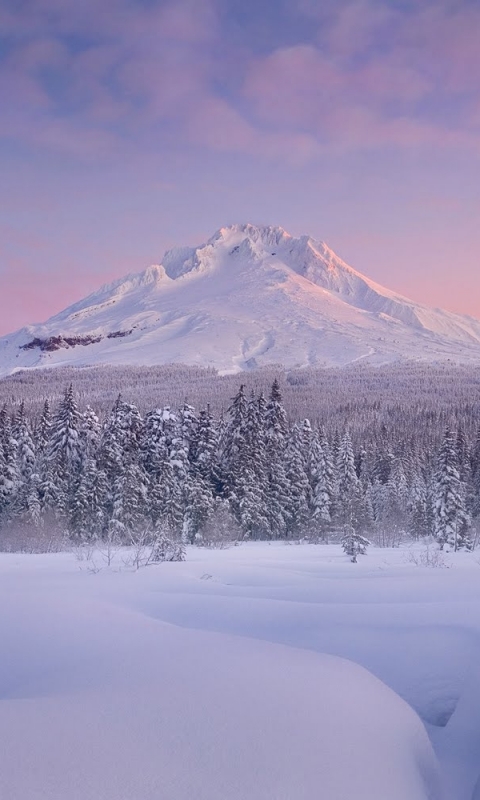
column 297, row 507
column 322, row 481
column 450, row 517
column 276, row 427
column 348, row 485
column 353, row 543
column 42, row 433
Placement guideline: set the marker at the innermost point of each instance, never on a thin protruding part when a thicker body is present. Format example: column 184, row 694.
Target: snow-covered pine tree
column 188, row 426
column 42, row 431
column 25, row 504
column 64, row 443
column 89, row 503
column 233, row 446
column 276, row 429
column 63, row 455
column 154, row 446
column 130, row 481
column 89, row 493
column 243, row 463
column 393, row 514
column 463, row 454
column 199, row 505
column 252, row 473
column 25, row 446
column 9, row 475
column 322, row 479
column 110, row 449
column 192, row 488
column 348, row 485
column 5, row 488
column 418, row 506
column 353, row 543
column 450, row 516
column 297, row 507
column 205, row 449
column 90, row 431
column 473, row 487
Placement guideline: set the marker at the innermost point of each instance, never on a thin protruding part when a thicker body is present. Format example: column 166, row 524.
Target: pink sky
column 129, row 126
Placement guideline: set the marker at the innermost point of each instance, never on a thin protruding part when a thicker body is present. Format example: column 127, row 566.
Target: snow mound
column 121, row 706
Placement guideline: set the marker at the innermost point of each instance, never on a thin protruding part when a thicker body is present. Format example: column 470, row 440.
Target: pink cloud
column 215, row 124
column 292, row 86
column 443, row 41
column 354, row 91
column 150, row 74
column 152, row 63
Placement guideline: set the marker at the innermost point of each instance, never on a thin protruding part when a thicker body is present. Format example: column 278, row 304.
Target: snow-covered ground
column 267, row 672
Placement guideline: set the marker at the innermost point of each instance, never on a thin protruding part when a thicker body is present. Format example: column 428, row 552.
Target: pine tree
column 89, row 432
column 205, row 449
column 322, row 481
column 25, row 503
column 25, row 446
column 473, row 488
column 63, row 456
column 234, row 440
column 451, row 519
column 418, row 506
column 64, row 444
column 243, row 465
column 88, row 508
column 199, row 505
column 348, row 485
column 395, row 501
column 188, row 426
column 297, row 507
column 353, row 543
column 9, row 475
column 276, row 427
column 42, row 433
column 252, row 474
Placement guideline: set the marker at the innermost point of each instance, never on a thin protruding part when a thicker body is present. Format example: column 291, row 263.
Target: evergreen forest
column 377, row 472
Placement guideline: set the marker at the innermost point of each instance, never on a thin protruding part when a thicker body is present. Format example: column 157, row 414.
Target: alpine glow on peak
column 249, row 296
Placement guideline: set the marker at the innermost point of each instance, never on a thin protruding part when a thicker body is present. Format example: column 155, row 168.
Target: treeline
column 251, row 473
column 362, row 398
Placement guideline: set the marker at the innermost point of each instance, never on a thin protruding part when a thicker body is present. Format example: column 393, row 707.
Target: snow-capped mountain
column 250, row 296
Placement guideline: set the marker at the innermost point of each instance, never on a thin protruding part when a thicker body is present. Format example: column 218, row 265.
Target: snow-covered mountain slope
column 249, row 296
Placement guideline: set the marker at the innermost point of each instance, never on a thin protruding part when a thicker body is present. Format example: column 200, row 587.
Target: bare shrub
column 429, row 556
column 109, row 546
column 388, row 536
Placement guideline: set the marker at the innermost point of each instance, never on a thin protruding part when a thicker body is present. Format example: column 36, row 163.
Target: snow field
column 226, row 676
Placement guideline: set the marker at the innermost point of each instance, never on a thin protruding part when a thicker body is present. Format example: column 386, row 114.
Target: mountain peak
column 267, row 234
column 250, row 295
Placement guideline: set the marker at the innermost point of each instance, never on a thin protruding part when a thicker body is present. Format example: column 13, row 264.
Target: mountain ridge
column 249, row 295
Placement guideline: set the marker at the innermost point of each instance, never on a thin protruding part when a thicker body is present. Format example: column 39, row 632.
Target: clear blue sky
column 130, row 126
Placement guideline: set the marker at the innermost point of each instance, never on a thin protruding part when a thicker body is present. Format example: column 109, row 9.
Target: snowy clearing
column 260, row 671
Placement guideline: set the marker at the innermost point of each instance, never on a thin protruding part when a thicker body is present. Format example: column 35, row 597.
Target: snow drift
column 102, row 700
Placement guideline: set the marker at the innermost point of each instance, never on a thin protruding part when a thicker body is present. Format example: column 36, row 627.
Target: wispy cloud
column 102, row 80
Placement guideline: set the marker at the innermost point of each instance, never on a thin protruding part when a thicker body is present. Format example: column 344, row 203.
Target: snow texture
column 232, row 675
column 249, row 296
